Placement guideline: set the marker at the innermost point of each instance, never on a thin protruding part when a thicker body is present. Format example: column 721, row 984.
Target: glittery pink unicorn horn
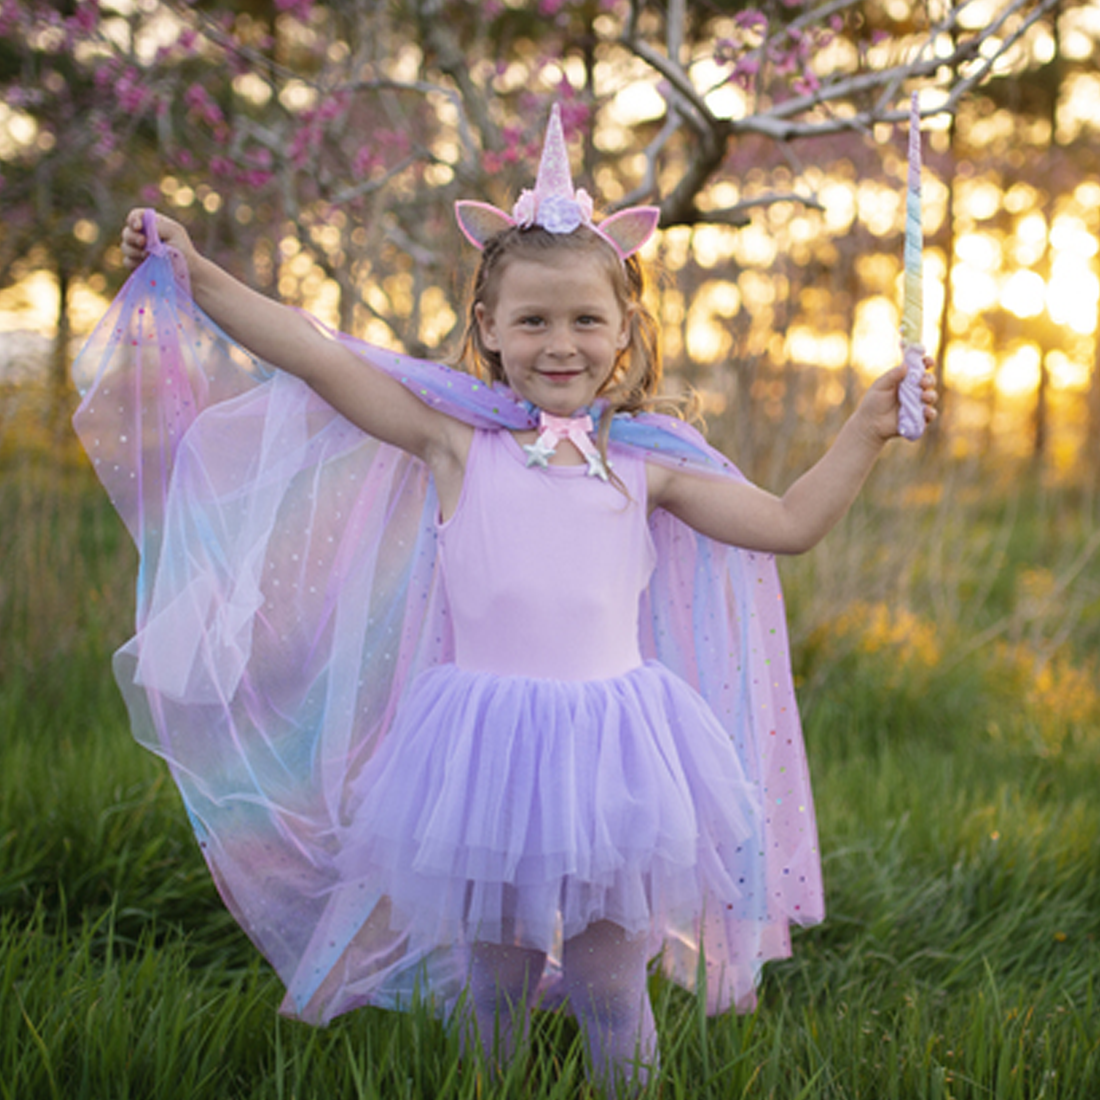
column 556, row 207
column 911, row 410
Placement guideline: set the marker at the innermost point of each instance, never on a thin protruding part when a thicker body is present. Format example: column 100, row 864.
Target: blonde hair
column 636, row 376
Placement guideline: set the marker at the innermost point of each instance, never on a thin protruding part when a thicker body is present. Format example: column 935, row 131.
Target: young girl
column 459, row 673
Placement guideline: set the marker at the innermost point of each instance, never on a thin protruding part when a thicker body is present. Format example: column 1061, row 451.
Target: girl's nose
column 561, row 341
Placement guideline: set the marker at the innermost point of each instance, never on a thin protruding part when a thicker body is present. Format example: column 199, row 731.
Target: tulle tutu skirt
column 516, row 810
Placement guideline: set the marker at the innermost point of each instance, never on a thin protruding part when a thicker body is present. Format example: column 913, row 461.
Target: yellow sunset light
column 968, row 369
column 30, row 304
column 1072, row 294
column 1066, row 373
column 874, row 334
column 1024, row 293
column 974, row 290
column 1030, row 239
column 1019, row 371
column 809, row 347
column 979, row 250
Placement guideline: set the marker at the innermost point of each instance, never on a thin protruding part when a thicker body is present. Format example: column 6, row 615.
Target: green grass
column 946, row 654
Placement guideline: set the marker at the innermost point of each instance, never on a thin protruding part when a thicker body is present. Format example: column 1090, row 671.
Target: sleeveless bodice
column 544, row 568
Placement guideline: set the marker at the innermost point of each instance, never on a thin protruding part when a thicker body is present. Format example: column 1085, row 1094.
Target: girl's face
column 558, row 328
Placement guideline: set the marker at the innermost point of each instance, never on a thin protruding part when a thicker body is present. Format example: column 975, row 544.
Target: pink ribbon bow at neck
column 577, row 429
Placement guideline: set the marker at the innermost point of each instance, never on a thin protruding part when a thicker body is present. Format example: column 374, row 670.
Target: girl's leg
column 503, row 980
column 605, row 980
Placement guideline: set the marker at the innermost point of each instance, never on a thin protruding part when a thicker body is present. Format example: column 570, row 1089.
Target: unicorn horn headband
column 556, row 207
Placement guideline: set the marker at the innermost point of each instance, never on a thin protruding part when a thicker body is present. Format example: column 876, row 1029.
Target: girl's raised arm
column 743, row 515
column 282, row 336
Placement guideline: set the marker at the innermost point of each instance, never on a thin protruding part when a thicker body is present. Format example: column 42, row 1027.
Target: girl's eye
column 588, row 319
column 531, row 322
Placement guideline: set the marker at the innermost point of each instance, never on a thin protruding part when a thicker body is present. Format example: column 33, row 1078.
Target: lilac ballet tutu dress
column 548, row 778
column 396, row 737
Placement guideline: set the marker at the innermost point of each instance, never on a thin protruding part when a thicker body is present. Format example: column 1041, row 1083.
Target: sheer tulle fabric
column 288, row 595
column 519, row 811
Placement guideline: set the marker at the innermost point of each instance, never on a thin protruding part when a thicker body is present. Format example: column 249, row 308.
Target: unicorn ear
column 479, row 221
column 629, row 229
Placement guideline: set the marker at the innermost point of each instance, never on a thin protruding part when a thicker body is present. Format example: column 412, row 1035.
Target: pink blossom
column 745, row 71
column 9, row 17
column 333, row 107
column 574, row 116
column 751, row 20
column 784, row 60
column 200, row 103
column 85, row 19
column 130, row 92
column 302, row 145
column 105, row 74
column 106, row 142
column 255, row 179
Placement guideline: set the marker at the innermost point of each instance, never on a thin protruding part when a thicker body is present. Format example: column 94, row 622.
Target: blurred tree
column 62, row 173
column 1022, row 135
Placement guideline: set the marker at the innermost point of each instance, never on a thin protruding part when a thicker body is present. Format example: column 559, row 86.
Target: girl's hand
column 879, row 408
column 135, row 246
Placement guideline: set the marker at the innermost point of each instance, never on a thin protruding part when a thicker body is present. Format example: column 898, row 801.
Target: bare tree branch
column 802, row 116
column 739, row 214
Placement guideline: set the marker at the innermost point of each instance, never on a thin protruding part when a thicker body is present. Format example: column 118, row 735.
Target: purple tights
column 604, row 979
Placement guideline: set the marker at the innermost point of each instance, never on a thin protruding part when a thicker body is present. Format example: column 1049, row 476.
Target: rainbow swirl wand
column 911, row 410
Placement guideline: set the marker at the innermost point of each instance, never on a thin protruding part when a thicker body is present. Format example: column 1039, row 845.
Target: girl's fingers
column 134, row 244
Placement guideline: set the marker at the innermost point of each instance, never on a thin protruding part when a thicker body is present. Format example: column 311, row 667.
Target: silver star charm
column 596, row 467
column 538, row 453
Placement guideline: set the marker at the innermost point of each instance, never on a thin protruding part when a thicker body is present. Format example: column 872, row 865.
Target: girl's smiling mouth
column 560, row 375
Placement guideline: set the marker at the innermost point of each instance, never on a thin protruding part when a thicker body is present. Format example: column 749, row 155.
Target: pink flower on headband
column 559, row 214
column 525, row 209
column 555, row 206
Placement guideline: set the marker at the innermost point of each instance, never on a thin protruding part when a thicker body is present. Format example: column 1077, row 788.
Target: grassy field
column 945, row 641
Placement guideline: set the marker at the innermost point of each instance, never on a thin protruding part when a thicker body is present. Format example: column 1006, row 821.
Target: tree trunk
column 1042, row 395
column 1092, row 438
column 59, row 399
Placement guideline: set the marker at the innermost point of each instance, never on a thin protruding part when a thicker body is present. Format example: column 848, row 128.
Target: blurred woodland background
column 317, row 149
